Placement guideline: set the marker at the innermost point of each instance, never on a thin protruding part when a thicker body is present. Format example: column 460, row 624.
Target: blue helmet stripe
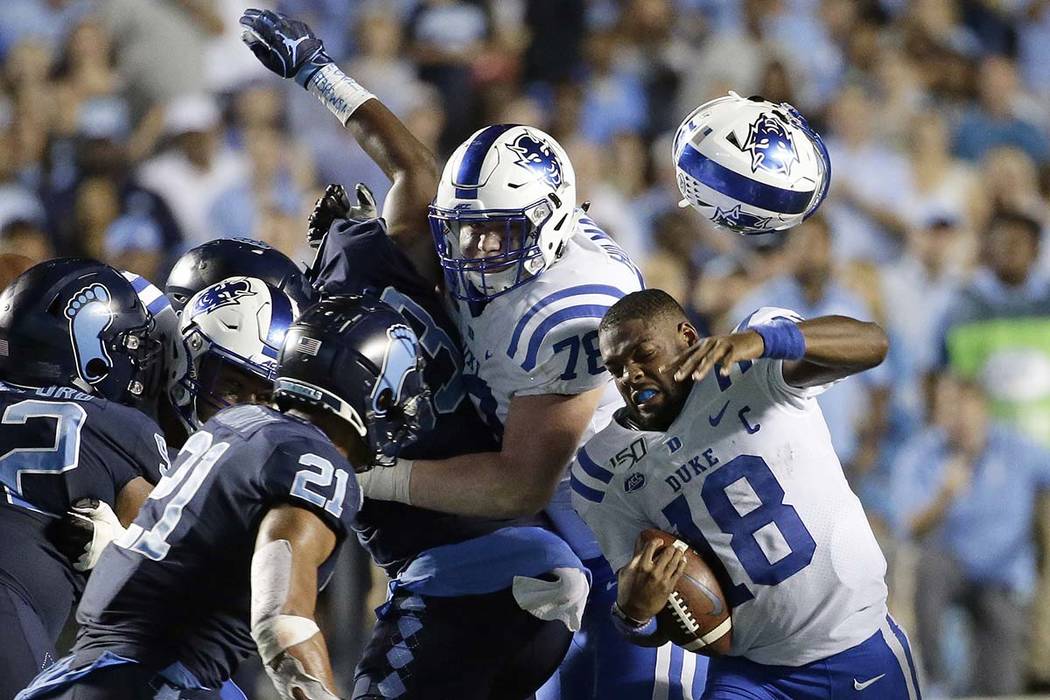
column 740, row 187
column 280, row 319
column 554, row 320
column 557, row 296
column 470, row 167
column 584, row 490
column 592, row 468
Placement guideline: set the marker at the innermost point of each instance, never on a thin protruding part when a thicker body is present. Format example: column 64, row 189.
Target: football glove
column 84, row 532
column 335, row 204
column 285, row 46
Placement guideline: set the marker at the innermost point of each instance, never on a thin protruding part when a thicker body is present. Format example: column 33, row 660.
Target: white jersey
column 542, row 338
column 747, row 473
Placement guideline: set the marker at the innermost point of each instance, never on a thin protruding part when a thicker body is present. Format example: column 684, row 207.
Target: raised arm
column 289, row 48
column 815, row 352
column 291, row 544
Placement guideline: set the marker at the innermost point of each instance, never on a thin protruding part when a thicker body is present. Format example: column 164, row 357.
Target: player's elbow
column 521, row 500
column 877, row 342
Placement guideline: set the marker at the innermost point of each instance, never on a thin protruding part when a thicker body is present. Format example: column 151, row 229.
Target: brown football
column 697, row 616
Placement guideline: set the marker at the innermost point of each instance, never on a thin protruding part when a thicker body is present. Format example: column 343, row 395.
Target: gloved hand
column 286, row 46
column 335, row 204
column 83, row 532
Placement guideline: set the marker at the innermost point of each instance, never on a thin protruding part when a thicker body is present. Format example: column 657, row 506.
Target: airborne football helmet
column 750, row 165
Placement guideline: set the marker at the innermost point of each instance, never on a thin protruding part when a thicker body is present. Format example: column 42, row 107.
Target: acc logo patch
column 633, row 482
column 224, row 293
column 770, row 145
column 538, row 156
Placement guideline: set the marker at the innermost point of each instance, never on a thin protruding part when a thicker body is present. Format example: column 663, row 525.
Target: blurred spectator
column 49, row 21
column 610, row 209
column 869, row 184
column 998, row 326
column 447, row 35
column 999, row 118
column 269, row 189
column 918, row 291
column 380, row 64
column 950, row 487
column 160, row 46
column 556, row 30
column 17, row 201
column 1034, row 48
column 856, row 411
column 27, row 239
column 613, row 98
column 196, row 169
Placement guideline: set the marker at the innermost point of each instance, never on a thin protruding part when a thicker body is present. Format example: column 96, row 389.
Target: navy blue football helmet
column 78, row 322
column 220, row 259
column 360, row 359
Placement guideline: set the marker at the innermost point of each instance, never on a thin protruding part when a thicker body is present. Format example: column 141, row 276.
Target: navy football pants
column 26, row 649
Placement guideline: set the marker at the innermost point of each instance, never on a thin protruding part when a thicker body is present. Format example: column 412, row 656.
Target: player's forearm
column 486, row 484
column 399, row 154
column 836, row 347
column 311, row 669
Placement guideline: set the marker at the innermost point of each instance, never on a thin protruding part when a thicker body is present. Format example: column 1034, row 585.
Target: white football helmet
column 240, row 321
column 750, row 165
column 505, row 207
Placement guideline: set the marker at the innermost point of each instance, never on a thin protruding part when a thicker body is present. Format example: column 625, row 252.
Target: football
column 697, row 616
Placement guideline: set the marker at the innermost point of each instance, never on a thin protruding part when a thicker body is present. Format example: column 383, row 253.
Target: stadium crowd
column 131, row 131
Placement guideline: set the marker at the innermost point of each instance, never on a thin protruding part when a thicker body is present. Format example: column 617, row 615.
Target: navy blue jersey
column 177, row 586
column 58, row 445
column 359, row 258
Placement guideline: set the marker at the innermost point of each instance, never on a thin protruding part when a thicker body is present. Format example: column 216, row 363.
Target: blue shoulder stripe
column 159, row 304
column 740, row 187
column 592, row 468
column 584, row 490
column 553, row 321
column 557, row 296
column 474, row 157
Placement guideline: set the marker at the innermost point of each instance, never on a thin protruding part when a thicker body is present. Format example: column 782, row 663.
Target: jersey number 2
column 63, row 456
column 771, row 514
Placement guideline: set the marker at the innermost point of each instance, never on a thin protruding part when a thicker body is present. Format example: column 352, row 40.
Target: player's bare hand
column 646, row 582
column 698, row 359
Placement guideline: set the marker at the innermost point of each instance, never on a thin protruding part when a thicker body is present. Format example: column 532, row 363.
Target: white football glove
column 98, row 526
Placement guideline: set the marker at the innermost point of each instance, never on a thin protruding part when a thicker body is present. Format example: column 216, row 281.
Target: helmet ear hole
column 385, row 400
column 97, row 367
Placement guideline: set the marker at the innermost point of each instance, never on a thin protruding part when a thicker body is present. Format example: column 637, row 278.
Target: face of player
column 638, row 354
column 224, row 384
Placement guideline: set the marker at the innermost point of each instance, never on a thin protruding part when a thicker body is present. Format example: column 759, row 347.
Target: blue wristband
column 630, row 631
column 782, row 338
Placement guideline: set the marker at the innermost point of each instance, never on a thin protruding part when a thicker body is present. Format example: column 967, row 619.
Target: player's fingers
column 679, row 569
column 681, row 357
column 712, row 358
column 649, row 553
column 665, row 561
column 695, row 358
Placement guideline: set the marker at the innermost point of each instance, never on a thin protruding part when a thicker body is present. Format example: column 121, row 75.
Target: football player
column 230, row 549
column 530, row 277
column 722, row 442
column 222, row 258
column 76, row 362
column 461, row 585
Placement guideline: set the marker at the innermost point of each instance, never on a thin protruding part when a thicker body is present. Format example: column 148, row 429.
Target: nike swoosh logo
column 716, row 419
column 857, row 685
column 716, row 602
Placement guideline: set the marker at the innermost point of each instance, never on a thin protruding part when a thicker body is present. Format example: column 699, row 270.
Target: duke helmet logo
column 222, row 294
column 770, row 145
column 539, row 157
